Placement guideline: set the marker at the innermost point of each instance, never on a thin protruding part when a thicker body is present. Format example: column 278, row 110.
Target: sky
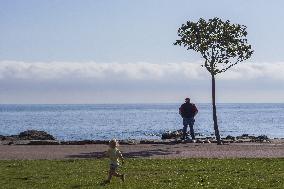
column 121, row 51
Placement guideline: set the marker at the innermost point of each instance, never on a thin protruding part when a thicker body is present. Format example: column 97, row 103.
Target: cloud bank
column 133, row 71
column 166, row 80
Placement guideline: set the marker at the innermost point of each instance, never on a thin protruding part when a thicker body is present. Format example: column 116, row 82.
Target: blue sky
column 99, row 47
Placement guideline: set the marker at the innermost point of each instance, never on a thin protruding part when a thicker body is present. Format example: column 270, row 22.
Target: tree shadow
column 89, row 155
column 136, row 154
column 147, row 153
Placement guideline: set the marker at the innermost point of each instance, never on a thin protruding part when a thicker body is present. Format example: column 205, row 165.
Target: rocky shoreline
column 34, row 137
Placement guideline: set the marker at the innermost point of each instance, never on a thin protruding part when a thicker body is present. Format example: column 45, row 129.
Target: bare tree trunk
column 215, row 112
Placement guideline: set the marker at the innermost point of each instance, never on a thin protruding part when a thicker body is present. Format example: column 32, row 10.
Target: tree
column 221, row 44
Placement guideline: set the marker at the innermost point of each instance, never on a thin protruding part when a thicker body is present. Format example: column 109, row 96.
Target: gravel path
column 187, row 150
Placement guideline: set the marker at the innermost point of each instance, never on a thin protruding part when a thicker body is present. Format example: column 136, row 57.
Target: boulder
column 172, row 134
column 228, row 141
column 11, row 137
column 35, row 135
column 229, row 137
column 128, row 142
column 199, row 141
column 43, row 142
column 262, row 137
column 207, row 141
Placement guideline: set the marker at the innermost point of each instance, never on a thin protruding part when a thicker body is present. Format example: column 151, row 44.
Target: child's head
column 113, row 143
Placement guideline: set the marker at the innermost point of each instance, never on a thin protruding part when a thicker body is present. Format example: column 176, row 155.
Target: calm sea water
column 139, row 121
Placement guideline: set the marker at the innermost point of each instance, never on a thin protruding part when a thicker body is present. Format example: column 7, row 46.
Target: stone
column 83, row 142
column 199, row 141
column 43, row 142
column 127, row 142
column 228, row 141
column 229, row 137
column 207, row 141
column 262, row 138
column 35, row 135
column 172, row 134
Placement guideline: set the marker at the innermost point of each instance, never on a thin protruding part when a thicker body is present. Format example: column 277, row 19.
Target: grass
column 144, row 173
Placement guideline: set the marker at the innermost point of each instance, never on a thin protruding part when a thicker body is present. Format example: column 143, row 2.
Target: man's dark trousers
column 188, row 122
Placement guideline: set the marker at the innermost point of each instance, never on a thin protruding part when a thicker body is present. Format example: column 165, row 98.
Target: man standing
column 188, row 111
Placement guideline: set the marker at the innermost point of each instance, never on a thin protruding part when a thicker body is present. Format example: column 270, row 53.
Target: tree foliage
column 220, row 43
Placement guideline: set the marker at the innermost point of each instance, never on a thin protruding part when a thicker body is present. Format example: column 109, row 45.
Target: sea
column 138, row 121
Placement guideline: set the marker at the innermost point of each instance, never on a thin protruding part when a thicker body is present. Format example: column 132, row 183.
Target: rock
column 101, row 142
column 7, row 138
column 210, row 138
column 172, row 134
column 229, row 137
column 83, row 142
column 187, row 140
column 149, row 141
column 262, row 138
column 250, row 138
column 35, row 135
column 207, row 141
column 244, row 136
column 228, row 141
column 199, row 141
column 243, row 140
column 21, row 142
column 128, row 142
column 158, row 142
column 67, row 142
column 43, row 142
column 12, row 137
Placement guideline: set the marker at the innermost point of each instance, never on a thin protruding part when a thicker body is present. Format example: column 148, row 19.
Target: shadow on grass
column 147, row 153
column 137, row 154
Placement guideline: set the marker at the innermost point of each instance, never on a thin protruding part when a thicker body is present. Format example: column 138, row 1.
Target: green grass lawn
column 143, row 173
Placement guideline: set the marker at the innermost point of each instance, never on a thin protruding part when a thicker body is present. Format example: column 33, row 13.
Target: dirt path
column 188, row 150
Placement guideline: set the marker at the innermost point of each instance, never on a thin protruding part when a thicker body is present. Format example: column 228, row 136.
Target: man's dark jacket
column 188, row 110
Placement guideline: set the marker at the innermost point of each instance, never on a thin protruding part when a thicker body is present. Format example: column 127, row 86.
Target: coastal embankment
column 28, row 145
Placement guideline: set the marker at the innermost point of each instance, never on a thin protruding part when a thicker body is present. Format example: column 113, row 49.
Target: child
column 114, row 155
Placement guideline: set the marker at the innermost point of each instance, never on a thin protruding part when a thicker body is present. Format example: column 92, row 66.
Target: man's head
column 187, row 99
